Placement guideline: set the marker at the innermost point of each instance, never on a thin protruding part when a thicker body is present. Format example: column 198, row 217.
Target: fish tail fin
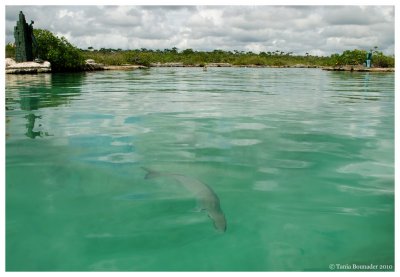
column 150, row 173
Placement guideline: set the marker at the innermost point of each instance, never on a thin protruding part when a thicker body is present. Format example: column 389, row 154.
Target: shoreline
column 12, row 67
column 358, row 68
column 34, row 68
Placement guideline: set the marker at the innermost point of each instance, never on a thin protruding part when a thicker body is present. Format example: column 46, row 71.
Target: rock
column 90, row 61
column 91, row 65
column 125, row 67
column 219, row 65
column 13, row 67
column 9, row 62
column 358, row 68
column 166, row 65
column 303, row 66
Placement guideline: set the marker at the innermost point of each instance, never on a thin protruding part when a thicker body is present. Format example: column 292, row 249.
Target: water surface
column 302, row 161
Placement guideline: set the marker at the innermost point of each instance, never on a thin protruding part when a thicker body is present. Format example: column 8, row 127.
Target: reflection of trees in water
column 40, row 91
column 57, row 90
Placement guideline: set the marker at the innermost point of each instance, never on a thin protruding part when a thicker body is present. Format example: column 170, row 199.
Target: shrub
column 357, row 57
column 62, row 55
column 10, row 51
column 380, row 60
column 349, row 57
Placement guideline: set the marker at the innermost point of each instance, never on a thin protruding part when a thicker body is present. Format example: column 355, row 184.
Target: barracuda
column 207, row 199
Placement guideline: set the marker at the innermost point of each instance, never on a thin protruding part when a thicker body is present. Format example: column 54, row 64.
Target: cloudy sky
column 318, row 30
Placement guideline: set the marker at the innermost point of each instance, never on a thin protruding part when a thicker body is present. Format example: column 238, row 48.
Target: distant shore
column 355, row 68
column 358, row 68
column 44, row 67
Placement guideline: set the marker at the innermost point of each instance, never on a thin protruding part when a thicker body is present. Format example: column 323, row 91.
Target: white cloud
column 321, row 30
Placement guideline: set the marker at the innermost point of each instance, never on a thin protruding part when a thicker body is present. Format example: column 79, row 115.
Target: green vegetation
column 10, row 51
column 357, row 57
column 380, row 60
column 62, row 55
column 200, row 58
column 65, row 57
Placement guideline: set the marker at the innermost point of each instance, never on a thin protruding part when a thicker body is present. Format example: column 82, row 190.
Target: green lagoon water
column 302, row 161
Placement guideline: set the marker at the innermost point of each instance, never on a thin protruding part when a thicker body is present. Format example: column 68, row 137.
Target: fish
column 207, row 199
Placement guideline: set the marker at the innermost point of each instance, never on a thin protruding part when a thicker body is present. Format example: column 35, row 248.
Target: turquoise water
column 302, row 161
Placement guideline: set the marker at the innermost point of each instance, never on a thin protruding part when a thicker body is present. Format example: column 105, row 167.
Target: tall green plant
column 10, row 50
column 380, row 60
column 62, row 55
column 193, row 57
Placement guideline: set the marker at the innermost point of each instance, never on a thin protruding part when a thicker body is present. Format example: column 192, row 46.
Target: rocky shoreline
column 124, row 67
column 13, row 67
column 229, row 65
column 358, row 68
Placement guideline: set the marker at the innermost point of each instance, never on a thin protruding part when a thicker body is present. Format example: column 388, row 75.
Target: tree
column 174, row 50
column 62, row 55
column 380, row 60
column 188, row 51
column 10, row 50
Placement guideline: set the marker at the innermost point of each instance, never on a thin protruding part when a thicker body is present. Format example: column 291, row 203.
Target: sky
column 317, row 30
